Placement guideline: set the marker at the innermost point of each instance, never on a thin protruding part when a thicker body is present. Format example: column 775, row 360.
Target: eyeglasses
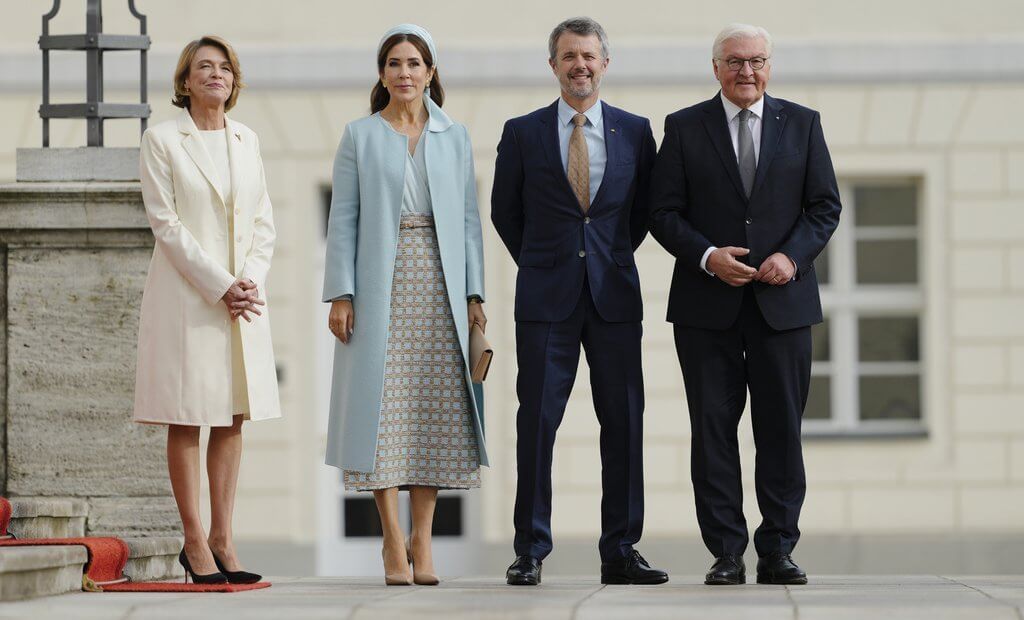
column 735, row 64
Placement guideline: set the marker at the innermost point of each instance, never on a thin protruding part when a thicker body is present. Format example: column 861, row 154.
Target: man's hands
column 776, row 270
column 243, row 298
column 341, row 320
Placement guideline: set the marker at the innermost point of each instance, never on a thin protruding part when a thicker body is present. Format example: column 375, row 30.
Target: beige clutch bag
column 480, row 354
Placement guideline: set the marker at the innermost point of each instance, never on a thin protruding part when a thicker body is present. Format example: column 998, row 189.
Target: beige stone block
column 829, row 462
column 976, row 171
column 281, row 505
column 583, row 464
column 575, row 513
column 1015, row 170
column 902, row 509
column 999, row 508
column 267, row 469
column 996, row 413
column 979, row 365
column 1016, row 450
column 1017, row 365
column 843, row 110
column 341, row 108
column 890, row 116
column 1016, row 261
column 670, row 513
column 988, row 220
column 980, row 460
column 988, row 317
column 825, row 510
column 985, row 120
column 666, row 418
column 978, row 269
column 941, row 108
column 662, row 463
column 579, row 420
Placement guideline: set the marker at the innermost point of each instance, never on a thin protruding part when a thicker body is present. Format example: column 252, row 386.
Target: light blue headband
column 412, row 29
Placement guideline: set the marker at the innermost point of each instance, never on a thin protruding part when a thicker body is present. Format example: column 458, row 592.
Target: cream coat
column 184, row 360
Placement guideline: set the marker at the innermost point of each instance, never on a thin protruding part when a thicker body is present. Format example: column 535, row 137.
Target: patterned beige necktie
column 579, row 163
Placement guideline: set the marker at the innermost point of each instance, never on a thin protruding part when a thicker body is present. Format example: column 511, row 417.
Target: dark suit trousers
column 548, row 356
column 719, row 366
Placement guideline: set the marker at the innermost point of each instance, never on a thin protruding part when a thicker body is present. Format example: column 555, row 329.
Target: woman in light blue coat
column 404, row 276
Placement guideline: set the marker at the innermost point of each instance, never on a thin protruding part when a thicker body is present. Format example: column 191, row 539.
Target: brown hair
column 379, row 96
column 181, row 98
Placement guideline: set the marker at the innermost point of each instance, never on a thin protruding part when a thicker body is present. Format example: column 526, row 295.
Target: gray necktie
column 748, row 165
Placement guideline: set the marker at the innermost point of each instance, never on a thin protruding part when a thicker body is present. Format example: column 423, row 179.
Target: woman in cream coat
column 198, row 364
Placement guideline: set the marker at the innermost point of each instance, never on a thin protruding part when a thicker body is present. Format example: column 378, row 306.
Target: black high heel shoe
column 212, row 578
column 236, row 576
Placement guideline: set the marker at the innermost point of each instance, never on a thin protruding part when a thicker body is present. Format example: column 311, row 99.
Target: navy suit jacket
column 697, row 200
column 540, row 221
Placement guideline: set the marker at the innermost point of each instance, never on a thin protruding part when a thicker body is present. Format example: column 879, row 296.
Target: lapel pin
column 612, row 130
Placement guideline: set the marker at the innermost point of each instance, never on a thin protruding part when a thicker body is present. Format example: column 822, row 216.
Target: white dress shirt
column 593, row 132
column 732, row 116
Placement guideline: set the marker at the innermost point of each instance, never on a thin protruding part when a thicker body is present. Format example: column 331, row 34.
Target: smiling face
column 579, row 64
column 405, row 73
column 210, row 78
column 746, row 86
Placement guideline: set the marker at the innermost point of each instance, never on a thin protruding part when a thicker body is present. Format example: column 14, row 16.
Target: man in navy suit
column 745, row 197
column 570, row 203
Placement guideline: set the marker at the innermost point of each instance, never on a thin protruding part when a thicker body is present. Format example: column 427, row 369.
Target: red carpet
column 104, row 571
column 5, row 516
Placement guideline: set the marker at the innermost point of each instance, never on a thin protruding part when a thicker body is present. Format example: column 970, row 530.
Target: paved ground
column 832, row 597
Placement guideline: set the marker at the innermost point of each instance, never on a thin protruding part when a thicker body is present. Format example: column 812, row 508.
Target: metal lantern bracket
column 94, row 43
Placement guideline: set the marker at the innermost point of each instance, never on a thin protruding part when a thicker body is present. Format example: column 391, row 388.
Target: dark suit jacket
column 540, row 221
column 697, row 200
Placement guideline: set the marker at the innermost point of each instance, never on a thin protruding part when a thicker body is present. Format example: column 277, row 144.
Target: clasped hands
column 776, row 270
column 242, row 299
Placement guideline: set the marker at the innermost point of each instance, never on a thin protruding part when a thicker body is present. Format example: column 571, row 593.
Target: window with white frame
column 866, row 374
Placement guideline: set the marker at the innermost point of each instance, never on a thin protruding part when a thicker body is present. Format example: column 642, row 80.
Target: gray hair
column 740, row 31
column 583, row 26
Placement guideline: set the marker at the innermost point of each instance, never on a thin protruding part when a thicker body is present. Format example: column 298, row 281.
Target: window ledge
column 867, row 432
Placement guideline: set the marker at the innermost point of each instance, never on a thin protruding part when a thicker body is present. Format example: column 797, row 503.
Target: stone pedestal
column 73, row 261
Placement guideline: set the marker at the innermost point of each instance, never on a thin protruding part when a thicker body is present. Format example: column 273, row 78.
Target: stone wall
column 76, row 256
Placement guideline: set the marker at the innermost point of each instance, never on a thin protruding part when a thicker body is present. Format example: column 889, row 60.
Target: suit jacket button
column 582, row 253
column 586, row 220
column 749, row 221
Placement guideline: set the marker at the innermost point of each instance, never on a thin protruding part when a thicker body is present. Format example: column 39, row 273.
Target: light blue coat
column 362, row 240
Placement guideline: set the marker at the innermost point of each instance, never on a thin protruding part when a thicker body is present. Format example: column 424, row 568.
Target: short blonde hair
column 181, row 98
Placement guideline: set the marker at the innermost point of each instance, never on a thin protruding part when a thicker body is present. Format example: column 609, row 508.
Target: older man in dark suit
column 745, row 197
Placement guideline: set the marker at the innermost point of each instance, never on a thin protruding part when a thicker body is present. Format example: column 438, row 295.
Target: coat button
column 238, row 211
column 238, row 238
column 749, row 221
column 586, row 220
column 582, row 253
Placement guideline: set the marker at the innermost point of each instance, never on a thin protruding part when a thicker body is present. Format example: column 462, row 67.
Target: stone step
column 30, row 572
column 48, row 517
column 151, row 559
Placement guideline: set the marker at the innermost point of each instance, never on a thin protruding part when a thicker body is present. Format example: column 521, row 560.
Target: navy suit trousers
column 548, row 356
column 719, row 366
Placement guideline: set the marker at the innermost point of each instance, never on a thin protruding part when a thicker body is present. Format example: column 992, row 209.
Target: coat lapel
column 717, row 127
column 549, row 141
column 235, row 154
column 772, row 124
column 193, row 145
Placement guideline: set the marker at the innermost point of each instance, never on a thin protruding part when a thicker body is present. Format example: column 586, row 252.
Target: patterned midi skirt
column 426, row 435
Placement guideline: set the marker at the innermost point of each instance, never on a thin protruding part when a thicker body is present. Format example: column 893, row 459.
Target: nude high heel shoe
column 419, row 578
column 395, row 579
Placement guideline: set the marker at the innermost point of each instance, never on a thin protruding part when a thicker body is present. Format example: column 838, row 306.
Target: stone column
column 73, row 262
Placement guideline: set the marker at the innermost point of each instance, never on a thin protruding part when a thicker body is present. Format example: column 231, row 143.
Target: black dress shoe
column 779, row 568
column 632, row 569
column 728, row 570
column 525, row 571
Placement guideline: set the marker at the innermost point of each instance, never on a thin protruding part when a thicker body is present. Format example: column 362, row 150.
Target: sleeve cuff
column 704, row 260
